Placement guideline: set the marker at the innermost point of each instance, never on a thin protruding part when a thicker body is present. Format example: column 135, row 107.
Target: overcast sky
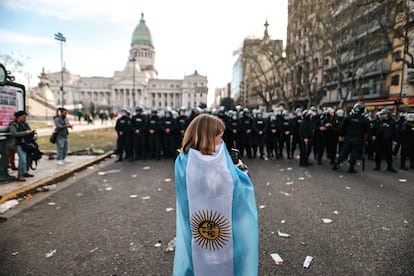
column 187, row 35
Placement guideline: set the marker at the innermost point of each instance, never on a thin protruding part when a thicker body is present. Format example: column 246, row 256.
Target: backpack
column 33, row 153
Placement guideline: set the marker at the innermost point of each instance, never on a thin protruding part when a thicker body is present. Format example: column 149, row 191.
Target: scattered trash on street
column 284, row 193
column 146, row 168
column 262, row 206
column 46, row 188
column 169, row 209
column 50, row 253
column 301, row 178
column 307, row 262
column 326, row 220
column 171, row 245
column 159, row 189
column 402, row 180
column 51, row 203
column 289, row 169
column 15, row 253
column 93, row 250
column 167, row 180
column 109, row 172
column 385, row 228
column 335, row 212
column 133, row 196
column 79, row 194
column 8, row 204
column 406, row 221
column 145, row 197
column 158, row 244
column 289, row 183
column 283, row 235
column 277, row 259
column 134, row 175
column 282, row 221
column 347, row 187
column 108, row 189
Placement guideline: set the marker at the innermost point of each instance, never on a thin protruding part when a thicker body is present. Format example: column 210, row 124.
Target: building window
column 397, row 56
column 395, row 80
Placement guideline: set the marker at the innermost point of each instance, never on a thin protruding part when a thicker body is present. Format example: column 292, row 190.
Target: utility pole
column 59, row 37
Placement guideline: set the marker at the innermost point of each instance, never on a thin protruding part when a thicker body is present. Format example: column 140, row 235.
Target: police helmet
column 358, row 109
column 138, row 109
column 339, row 113
column 285, row 113
column 298, row 110
column 410, row 117
column 154, row 110
column 383, row 111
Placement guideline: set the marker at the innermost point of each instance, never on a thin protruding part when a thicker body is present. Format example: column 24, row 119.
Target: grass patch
column 104, row 139
column 37, row 125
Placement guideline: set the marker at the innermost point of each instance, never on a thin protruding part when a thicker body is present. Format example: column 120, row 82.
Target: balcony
column 410, row 77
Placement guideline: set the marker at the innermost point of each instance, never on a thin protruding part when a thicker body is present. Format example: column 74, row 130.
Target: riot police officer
column 259, row 134
column 353, row 132
column 168, row 131
column 296, row 121
column 384, row 135
column 328, row 136
column 305, row 138
column 181, row 126
column 246, row 133
column 272, row 136
column 139, row 125
column 154, row 135
column 233, row 127
column 123, row 130
column 285, row 132
column 407, row 141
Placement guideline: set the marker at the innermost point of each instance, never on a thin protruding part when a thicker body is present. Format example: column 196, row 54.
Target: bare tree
column 354, row 43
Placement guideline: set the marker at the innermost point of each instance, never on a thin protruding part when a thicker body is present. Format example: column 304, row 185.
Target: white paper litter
column 146, row 168
column 50, row 253
column 283, row 235
column 145, row 197
column 307, row 262
column 262, row 206
column 301, row 178
column 167, row 180
column 289, row 183
column 276, row 258
column 284, row 193
column 8, row 204
column 402, row 180
column 326, row 220
column 133, row 196
column 169, row 209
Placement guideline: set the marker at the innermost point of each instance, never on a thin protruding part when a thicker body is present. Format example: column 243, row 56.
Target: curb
column 52, row 179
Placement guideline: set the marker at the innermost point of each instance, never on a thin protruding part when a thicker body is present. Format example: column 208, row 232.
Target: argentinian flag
column 217, row 227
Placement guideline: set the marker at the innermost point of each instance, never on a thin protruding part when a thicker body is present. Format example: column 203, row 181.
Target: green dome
column 142, row 34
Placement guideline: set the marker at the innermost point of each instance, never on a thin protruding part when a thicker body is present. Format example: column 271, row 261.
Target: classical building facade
column 136, row 85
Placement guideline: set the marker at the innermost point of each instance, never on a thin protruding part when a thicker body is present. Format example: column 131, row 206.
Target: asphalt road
column 107, row 219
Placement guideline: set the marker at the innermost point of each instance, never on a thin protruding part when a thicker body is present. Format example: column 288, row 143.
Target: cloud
column 25, row 39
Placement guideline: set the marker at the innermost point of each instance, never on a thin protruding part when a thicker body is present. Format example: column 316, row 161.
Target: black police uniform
column 168, row 132
column 354, row 130
column 123, row 129
column 139, row 133
column 407, row 144
column 246, row 135
column 384, row 133
column 154, row 136
column 260, row 128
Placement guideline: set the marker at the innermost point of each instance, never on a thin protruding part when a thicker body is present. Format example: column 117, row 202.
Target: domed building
column 136, row 84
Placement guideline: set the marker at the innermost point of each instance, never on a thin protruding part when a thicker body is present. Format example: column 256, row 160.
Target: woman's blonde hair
column 201, row 133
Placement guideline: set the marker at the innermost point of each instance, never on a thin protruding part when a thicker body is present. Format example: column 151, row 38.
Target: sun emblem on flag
column 211, row 230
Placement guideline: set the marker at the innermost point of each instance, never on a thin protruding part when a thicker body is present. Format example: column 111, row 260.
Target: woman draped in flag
column 216, row 223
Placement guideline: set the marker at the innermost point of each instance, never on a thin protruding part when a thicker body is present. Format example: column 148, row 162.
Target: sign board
column 11, row 100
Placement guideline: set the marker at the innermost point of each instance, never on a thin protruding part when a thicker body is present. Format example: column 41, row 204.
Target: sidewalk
column 48, row 172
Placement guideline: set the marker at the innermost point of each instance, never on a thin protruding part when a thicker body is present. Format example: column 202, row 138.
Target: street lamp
column 134, row 59
column 59, row 37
